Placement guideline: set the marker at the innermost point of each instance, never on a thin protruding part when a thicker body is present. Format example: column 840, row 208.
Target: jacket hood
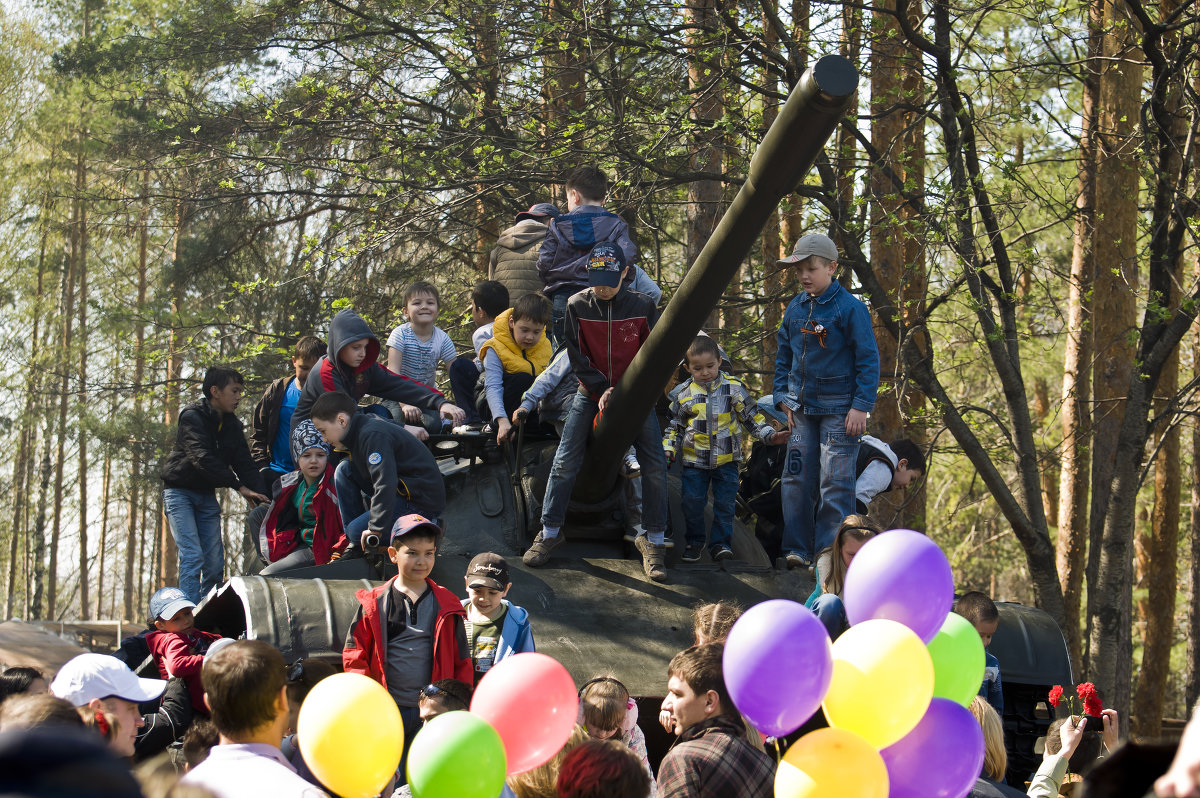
column 522, row 234
column 348, row 327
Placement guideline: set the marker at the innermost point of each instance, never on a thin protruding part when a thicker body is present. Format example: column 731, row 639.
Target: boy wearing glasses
column 826, row 377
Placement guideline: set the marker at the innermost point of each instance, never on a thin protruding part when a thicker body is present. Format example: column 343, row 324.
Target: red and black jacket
column 603, row 336
column 281, row 528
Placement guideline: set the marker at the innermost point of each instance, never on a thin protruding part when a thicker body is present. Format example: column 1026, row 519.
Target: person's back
column 884, row 467
column 513, row 261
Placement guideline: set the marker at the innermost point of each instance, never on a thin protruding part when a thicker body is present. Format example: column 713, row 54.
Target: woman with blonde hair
column 832, row 565
column 990, row 783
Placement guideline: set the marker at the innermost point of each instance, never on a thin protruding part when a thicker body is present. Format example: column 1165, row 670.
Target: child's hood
column 347, row 327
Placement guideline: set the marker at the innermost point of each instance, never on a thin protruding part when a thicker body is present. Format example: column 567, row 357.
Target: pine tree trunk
column 103, row 545
column 135, row 530
column 704, row 197
column 772, row 287
column 168, row 556
column 37, row 549
column 64, row 386
column 81, row 259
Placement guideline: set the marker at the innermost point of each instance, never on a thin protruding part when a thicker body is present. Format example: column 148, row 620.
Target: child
column 442, row 696
column 606, row 325
column 350, row 367
column 416, row 347
column 488, row 300
column 883, row 467
column 272, row 420
column 711, row 622
column 496, row 628
column 708, row 412
column 607, row 711
column 303, row 526
column 981, row 611
column 513, row 262
column 409, row 631
column 178, row 646
column 210, row 452
column 517, row 352
column 832, row 564
column 398, row 472
column 826, row 377
column 562, row 261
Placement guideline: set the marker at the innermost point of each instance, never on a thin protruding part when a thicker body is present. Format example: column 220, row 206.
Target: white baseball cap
column 91, row 676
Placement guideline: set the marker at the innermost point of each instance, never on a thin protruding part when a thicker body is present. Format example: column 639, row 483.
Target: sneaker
column 631, row 536
column 691, row 553
column 721, row 553
column 631, row 467
column 654, row 559
column 353, row 553
column 538, row 554
column 795, row 560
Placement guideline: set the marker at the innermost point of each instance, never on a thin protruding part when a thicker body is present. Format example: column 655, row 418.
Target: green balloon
column 958, row 662
column 456, row 755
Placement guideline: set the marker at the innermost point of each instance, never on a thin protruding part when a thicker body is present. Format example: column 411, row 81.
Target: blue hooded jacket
column 516, row 636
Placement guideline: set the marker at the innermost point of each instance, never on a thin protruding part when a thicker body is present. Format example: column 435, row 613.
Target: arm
column 644, row 285
column 178, row 658
column 464, row 667
column 675, row 430
column 546, row 382
column 166, row 725
column 357, row 650
column 446, row 351
column 383, row 487
column 628, row 247
column 252, row 486
column 394, row 359
column 1182, row 779
column 875, row 479
column 1049, row 776
column 493, row 380
column 387, row 385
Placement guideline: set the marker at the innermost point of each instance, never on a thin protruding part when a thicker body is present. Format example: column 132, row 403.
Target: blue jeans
column 463, row 376
column 724, row 481
column 195, row 519
column 569, row 458
column 352, row 498
column 558, row 313
column 831, row 612
column 817, row 486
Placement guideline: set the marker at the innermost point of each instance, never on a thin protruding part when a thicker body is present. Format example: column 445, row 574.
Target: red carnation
column 1055, row 695
column 1086, row 690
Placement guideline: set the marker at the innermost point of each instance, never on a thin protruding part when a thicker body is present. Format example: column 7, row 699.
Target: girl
column 304, row 526
column 607, row 712
column 832, row 564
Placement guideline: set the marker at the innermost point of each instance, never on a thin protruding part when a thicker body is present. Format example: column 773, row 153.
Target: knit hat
column 305, row 437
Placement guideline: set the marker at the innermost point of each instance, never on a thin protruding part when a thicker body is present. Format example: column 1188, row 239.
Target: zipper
column 609, row 336
column 532, row 368
column 708, row 403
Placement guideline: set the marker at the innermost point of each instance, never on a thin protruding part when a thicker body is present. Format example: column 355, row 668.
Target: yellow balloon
column 882, row 681
column 350, row 734
column 831, row 763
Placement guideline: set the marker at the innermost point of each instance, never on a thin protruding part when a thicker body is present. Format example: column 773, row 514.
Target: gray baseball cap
column 812, row 244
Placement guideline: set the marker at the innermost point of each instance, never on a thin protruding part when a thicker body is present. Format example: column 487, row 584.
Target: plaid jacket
column 709, row 420
column 713, row 760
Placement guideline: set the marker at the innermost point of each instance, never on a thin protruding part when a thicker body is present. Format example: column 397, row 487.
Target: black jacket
column 210, row 452
column 264, row 424
column 393, row 462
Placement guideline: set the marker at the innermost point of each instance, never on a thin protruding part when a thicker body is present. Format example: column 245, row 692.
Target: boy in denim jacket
column 826, row 378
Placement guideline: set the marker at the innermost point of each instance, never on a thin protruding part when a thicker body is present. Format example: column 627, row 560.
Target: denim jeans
column 195, row 519
column 831, row 612
column 817, row 486
column 696, row 481
column 463, row 376
column 569, row 458
column 353, row 498
column 558, row 313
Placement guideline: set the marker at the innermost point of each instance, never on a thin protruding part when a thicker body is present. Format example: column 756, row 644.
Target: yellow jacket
column 515, row 359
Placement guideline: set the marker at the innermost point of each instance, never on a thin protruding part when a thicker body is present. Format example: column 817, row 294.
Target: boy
column 416, row 347
column 516, row 353
column 210, row 452
column 562, row 261
column 272, row 419
column 826, row 377
column 177, row 645
column 488, row 300
column 409, row 631
column 884, row 467
column 981, row 611
column 496, row 628
column 350, row 367
column 708, row 412
column 606, row 325
column 513, row 262
column 398, row 472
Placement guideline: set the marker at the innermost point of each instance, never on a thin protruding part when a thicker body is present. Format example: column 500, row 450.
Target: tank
column 592, row 607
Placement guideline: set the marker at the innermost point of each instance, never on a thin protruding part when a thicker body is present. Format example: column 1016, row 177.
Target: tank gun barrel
column 787, row 152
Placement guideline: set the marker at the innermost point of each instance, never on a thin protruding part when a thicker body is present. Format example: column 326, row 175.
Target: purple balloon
column 900, row 576
column 778, row 663
column 940, row 758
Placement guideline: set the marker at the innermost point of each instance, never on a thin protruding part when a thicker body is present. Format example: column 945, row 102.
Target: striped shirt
column 419, row 359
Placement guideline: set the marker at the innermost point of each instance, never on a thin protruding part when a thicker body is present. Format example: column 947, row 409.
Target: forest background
column 1014, row 193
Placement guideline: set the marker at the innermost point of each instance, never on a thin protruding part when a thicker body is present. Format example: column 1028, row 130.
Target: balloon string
column 778, row 753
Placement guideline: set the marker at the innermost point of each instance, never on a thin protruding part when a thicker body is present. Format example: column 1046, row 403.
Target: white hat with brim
column 90, row 676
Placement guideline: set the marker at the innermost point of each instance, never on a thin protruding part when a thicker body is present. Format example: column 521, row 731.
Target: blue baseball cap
column 605, row 264
column 167, row 601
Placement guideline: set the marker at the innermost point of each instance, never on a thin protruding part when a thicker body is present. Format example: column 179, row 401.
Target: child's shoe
column 631, row 467
column 654, row 559
column 795, row 561
column 721, row 552
column 538, row 554
column 691, row 553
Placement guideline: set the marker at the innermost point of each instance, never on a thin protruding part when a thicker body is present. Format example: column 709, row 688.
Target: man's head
column 529, row 318
column 602, row 769
column 413, row 546
column 171, row 610
column 606, row 268
column 306, row 354
column 981, row 611
column 331, row 414
column 488, row 300
column 703, row 358
column 910, row 463
column 444, row 695
column 540, row 212
column 815, row 257
column 244, row 687
column 696, row 686
column 487, row 582
column 223, row 388
column 586, row 185
column 105, row 683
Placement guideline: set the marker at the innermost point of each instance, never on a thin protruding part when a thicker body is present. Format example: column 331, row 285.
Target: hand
column 504, row 428
column 518, row 416
column 665, row 720
column 1182, row 779
column 453, row 412
column 254, row 497
column 1111, row 733
column 856, row 423
column 777, row 438
column 670, row 458
column 1070, row 734
column 335, row 555
column 420, row 433
column 411, row 413
column 604, row 399
column 791, row 419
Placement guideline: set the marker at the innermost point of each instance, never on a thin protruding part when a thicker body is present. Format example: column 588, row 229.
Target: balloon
column 902, row 576
column 456, row 755
column 831, row 763
column 777, row 665
column 958, row 661
column 882, row 682
column 940, row 758
column 350, row 734
column 531, row 701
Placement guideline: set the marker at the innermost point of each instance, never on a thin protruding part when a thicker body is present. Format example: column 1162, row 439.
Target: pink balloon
column 531, row 701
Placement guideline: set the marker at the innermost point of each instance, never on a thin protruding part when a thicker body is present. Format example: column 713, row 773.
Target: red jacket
column 178, row 654
column 281, row 528
column 364, row 652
